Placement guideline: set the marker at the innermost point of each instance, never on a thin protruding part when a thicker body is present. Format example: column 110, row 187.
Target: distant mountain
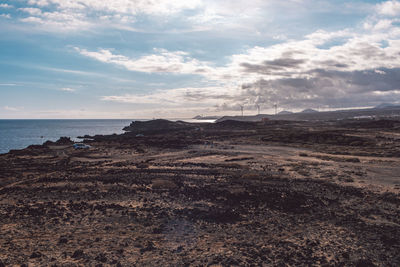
column 387, row 105
column 285, row 112
column 309, row 110
column 390, row 112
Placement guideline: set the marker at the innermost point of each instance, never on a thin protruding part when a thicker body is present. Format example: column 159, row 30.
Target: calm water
column 17, row 134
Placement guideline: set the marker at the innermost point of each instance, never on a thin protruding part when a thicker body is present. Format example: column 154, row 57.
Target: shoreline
column 40, row 140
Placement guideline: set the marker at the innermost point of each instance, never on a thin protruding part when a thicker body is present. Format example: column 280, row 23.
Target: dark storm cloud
column 333, row 63
column 271, row 66
column 324, row 88
column 283, row 63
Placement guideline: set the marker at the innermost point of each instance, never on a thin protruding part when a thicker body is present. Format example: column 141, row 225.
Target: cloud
column 123, row 6
column 298, row 58
column 291, row 59
column 386, row 93
column 162, row 62
column 31, row 10
column 68, row 15
column 331, row 68
column 76, row 72
column 326, row 88
column 203, row 96
column 184, row 15
column 324, row 69
column 380, row 72
column 11, row 108
column 6, row 6
column 383, row 24
column 8, row 84
column 311, row 73
column 67, row 89
column 389, row 8
column 7, row 16
column 56, row 21
column 254, row 17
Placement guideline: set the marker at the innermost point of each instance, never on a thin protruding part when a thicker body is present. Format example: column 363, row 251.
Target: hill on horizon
column 283, row 112
column 387, row 105
column 309, row 110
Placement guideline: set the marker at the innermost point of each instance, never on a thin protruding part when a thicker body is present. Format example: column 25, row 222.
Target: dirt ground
column 225, row 194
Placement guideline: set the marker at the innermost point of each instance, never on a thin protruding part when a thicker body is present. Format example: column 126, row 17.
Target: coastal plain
column 272, row 193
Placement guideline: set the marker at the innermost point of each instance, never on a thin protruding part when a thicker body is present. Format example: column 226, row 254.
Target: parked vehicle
column 81, row 146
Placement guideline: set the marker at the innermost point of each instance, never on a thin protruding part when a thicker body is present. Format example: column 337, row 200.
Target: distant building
column 264, row 119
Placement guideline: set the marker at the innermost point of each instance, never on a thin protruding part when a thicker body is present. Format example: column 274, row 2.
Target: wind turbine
column 241, row 108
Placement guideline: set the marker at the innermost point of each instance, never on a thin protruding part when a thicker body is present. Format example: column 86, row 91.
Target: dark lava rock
column 213, row 215
column 149, row 247
column 35, row 254
column 157, row 126
column 234, row 124
column 62, row 240
column 64, row 141
column 78, row 254
column 389, row 241
column 364, row 263
column 352, row 160
column 101, row 257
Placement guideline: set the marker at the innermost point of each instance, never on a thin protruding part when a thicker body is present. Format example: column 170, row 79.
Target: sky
column 180, row 58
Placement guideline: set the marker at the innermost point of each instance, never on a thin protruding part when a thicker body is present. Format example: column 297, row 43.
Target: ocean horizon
column 20, row 133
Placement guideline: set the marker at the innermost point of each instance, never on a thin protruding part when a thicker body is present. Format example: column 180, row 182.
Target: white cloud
column 72, row 15
column 387, row 93
column 383, row 24
column 56, row 21
column 290, row 59
column 162, row 62
column 6, row 6
column 31, row 10
column 123, row 6
column 7, row 16
column 8, row 84
column 205, row 96
column 240, row 15
column 380, row 72
column 8, row 108
column 219, row 15
column 39, row 2
column 389, row 8
column 68, row 89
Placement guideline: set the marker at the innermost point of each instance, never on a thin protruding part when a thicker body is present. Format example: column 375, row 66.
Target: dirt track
column 222, row 195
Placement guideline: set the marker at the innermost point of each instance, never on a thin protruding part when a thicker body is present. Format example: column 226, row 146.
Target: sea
column 18, row 134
